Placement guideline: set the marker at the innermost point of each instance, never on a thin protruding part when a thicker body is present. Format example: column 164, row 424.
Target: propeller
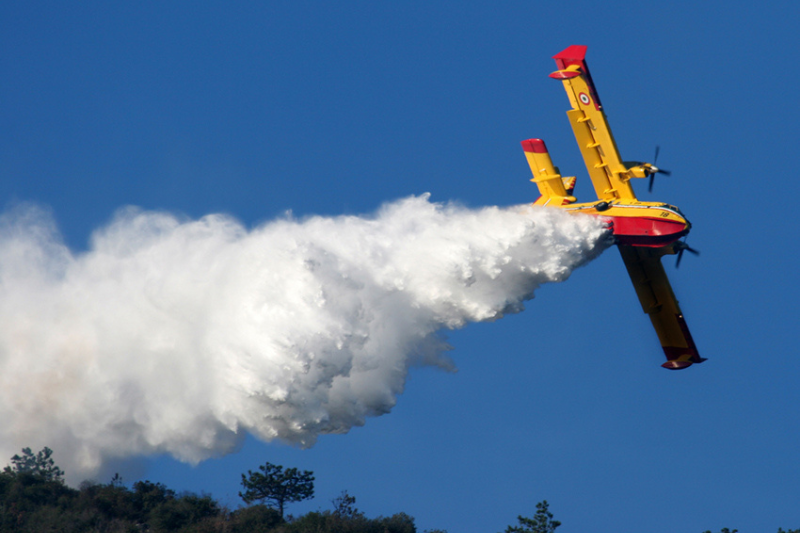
column 681, row 247
column 655, row 170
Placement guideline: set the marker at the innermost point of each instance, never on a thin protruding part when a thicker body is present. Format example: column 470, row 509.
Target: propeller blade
column 655, row 170
column 681, row 247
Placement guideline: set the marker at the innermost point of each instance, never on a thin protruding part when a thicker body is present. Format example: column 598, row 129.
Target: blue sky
column 323, row 108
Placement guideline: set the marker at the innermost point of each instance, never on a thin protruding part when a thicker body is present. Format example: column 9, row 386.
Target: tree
column 254, row 519
column 181, row 512
column 344, row 506
column 40, row 465
column 542, row 521
column 147, row 497
column 277, row 486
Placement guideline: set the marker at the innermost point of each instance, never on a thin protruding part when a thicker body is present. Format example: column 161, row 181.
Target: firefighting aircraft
column 644, row 231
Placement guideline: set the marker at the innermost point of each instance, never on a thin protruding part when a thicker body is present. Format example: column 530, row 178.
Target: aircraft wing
column 659, row 302
column 609, row 174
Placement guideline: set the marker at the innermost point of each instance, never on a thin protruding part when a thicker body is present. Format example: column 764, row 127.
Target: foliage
column 40, row 464
column 542, row 521
column 177, row 513
column 328, row 522
column 398, row 523
column 255, row 518
column 344, row 506
column 34, row 498
column 277, row 486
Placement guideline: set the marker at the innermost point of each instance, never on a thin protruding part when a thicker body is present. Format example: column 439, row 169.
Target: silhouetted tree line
column 34, row 498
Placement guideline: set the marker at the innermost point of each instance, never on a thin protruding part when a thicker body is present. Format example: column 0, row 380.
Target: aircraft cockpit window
column 674, row 208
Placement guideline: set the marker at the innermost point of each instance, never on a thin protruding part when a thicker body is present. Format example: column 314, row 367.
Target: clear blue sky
column 335, row 108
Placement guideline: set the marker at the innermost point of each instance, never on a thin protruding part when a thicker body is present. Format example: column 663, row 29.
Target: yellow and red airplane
column 644, row 231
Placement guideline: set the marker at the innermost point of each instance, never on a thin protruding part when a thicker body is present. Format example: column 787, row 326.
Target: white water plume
column 179, row 336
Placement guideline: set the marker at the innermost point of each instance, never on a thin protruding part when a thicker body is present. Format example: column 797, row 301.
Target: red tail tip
column 534, row 145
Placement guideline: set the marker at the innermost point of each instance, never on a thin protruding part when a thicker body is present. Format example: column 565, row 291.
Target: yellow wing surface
column 659, row 302
column 609, row 175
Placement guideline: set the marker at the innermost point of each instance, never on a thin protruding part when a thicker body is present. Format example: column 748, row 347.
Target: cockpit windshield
column 675, row 208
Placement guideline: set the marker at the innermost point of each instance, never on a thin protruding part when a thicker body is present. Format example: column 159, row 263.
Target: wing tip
column 575, row 52
column 535, row 146
column 679, row 365
column 679, row 358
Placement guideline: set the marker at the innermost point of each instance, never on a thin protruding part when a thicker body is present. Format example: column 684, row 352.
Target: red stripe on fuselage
column 647, row 231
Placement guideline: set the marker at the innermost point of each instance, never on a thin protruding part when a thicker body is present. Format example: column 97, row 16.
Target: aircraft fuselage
column 634, row 223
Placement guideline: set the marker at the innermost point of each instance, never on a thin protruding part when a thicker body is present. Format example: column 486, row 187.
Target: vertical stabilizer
column 545, row 175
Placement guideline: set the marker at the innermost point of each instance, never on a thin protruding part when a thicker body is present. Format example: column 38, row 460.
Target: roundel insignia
column 584, row 98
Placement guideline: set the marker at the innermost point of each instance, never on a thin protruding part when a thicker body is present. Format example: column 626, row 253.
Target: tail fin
column 546, row 176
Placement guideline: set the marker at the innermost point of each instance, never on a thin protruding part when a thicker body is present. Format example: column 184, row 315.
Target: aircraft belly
column 647, row 231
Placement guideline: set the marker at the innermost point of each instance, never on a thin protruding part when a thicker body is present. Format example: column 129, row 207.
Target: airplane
column 643, row 231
